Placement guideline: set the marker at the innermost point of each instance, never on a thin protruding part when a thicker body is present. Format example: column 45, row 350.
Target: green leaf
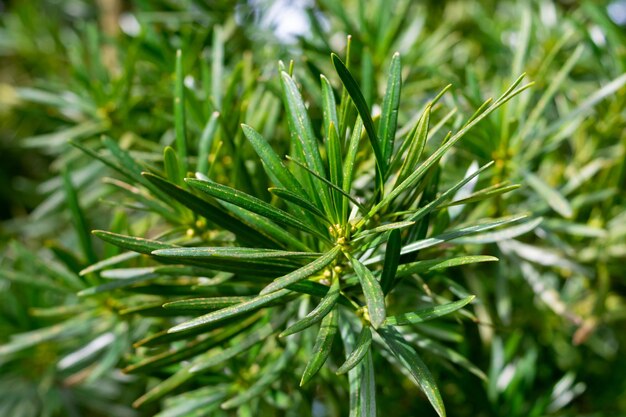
column 195, row 407
column 300, row 125
column 276, row 170
column 294, row 198
column 389, row 114
column 179, row 113
column 417, row 139
column 384, row 228
column 367, row 390
column 330, row 185
column 229, row 252
column 374, row 296
column 302, row 132
column 172, row 168
column 392, row 259
column 485, row 193
column 206, row 142
column 78, row 218
column 318, row 313
column 503, row 234
column 64, row 330
column 427, row 313
column 359, row 352
column 248, row 202
column 551, row 196
column 232, row 311
column 321, row 349
column 423, row 168
column 441, row 263
column 244, row 261
column 329, row 107
column 211, row 212
column 273, row 231
column 135, row 244
column 454, row 234
column 105, row 263
column 408, row 357
column 349, row 162
column 190, row 349
column 269, row 375
column 359, row 101
column 208, row 303
column 212, row 358
column 333, row 145
column 304, row 272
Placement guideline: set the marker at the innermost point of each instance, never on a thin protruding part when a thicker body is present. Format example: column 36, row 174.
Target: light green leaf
column 359, row 352
column 318, row 313
column 232, row 311
column 427, row 313
column 179, row 112
column 374, row 296
column 441, row 263
column 304, row 272
column 206, row 141
column 551, row 196
column 389, row 114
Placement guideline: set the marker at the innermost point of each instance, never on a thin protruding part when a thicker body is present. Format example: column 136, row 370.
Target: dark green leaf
column 408, row 357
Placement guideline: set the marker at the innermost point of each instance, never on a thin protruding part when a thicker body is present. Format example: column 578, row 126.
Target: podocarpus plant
column 353, row 220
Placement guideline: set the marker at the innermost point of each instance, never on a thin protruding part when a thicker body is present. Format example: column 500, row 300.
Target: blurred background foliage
column 550, row 336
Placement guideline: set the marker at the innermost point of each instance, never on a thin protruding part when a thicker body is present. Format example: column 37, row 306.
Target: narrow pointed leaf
column 232, row 311
column 367, row 391
column 318, row 313
column 210, row 303
column 136, row 244
column 389, row 114
column 172, row 169
column 392, row 259
column 78, row 219
column 423, row 168
column 321, row 349
column 294, row 198
column 359, row 352
column 503, row 234
column 272, row 163
column 427, row 313
column 417, row 139
column 441, row 263
column 374, row 296
column 551, row 196
column 210, row 359
column 211, row 212
column 304, row 272
column 248, row 202
column 206, row 142
column 410, row 360
column 331, row 185
column 359, row 101
column 179, row 113
column 232, row 253
column 302, row 132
